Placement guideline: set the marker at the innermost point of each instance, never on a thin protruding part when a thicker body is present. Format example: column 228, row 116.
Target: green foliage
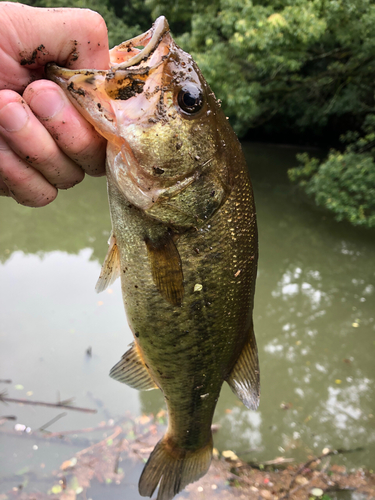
column 289, row 64
column 344, row 183
column 119, row 28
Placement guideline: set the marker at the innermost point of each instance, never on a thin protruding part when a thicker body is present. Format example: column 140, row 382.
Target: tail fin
column 173, row 468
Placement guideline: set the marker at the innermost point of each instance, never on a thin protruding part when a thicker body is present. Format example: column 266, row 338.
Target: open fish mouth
column 137, row 49
column 104, row 98
column 131, row 65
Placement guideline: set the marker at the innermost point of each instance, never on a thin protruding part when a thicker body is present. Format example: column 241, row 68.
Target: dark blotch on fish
column 72, row 89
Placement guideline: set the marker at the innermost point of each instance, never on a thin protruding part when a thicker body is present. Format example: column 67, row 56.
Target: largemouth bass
column 184, row 241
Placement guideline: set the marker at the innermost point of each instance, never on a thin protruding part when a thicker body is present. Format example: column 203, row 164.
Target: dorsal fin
column 111, row 266
column 244, row 378
column 166, row 268
column 131, row 370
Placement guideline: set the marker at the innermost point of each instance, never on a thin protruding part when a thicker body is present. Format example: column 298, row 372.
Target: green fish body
column 184, row 241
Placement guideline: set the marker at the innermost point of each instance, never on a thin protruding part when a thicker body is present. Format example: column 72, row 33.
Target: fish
column 184, row 242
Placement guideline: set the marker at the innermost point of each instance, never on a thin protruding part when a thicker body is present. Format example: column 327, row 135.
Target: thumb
column 31, row 37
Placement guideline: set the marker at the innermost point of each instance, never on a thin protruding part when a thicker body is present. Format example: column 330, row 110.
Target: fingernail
column 47, row 104
column 13, row 117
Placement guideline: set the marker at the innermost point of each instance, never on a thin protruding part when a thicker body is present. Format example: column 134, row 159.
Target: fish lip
column 155, row 35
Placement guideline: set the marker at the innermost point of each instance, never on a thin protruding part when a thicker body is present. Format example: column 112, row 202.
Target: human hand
column 45, row 144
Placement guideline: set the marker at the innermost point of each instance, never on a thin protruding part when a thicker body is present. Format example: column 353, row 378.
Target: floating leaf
column 317, row 492
column 56, row 489
column 230, row 455
column 144, row 419
column 68, row 463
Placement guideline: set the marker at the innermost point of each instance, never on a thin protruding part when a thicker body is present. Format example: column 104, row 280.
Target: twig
column 244, row 479
column 89, row 429
column 5, row 381
column 115, row 469
column 44, row 427
column 118, row 430
column 275, row 461
column 44, row 437
column 311, row 461
column 80, row 431
column 301, row 486
column 340, row 451
column 62, row 404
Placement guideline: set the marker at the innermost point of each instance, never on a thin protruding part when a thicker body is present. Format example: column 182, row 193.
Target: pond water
column 314, row 323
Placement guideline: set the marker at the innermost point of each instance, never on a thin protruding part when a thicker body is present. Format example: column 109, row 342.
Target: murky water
column 314, row 322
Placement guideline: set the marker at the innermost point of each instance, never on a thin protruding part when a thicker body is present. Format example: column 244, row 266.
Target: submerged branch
column 50, row 422
column 62, row 404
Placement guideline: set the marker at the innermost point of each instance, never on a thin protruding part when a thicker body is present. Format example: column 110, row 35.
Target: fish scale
column 184, row 241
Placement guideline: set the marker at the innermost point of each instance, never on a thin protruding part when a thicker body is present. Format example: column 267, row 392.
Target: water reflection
column 78, row 219
column 314, row 319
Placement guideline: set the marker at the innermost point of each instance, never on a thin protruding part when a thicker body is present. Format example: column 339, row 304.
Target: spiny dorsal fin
column 166, row 268
column 244, row 378
column 173, row 468
column 131, row 370
column 111, row 266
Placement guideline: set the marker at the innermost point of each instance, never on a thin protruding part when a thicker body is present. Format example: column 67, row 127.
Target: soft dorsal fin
column 244, row 378
column 166, row 268
column 111, row 266
column 131, row 370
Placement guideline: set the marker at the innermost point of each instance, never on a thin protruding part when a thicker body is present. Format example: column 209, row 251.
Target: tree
column 294, row 65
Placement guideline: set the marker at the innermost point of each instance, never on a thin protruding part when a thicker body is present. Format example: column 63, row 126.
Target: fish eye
column 190, row 98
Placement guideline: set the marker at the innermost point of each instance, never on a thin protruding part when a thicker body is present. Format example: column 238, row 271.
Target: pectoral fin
column 111, row 267
column 244, row 377
column 166, row 268
column 131, row 370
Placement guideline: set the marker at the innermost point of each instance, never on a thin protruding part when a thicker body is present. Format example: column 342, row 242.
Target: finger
column 73, row 134
column 27, row 137
column 74, row 38
column 25, row 184
column 4, row 190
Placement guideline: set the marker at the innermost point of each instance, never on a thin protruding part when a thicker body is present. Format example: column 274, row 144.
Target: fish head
column 165, row 130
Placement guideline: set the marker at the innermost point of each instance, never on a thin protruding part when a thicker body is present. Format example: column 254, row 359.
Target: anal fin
column 166, row 268
column 131, row 370
column 244, row 378
column 111, row 266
